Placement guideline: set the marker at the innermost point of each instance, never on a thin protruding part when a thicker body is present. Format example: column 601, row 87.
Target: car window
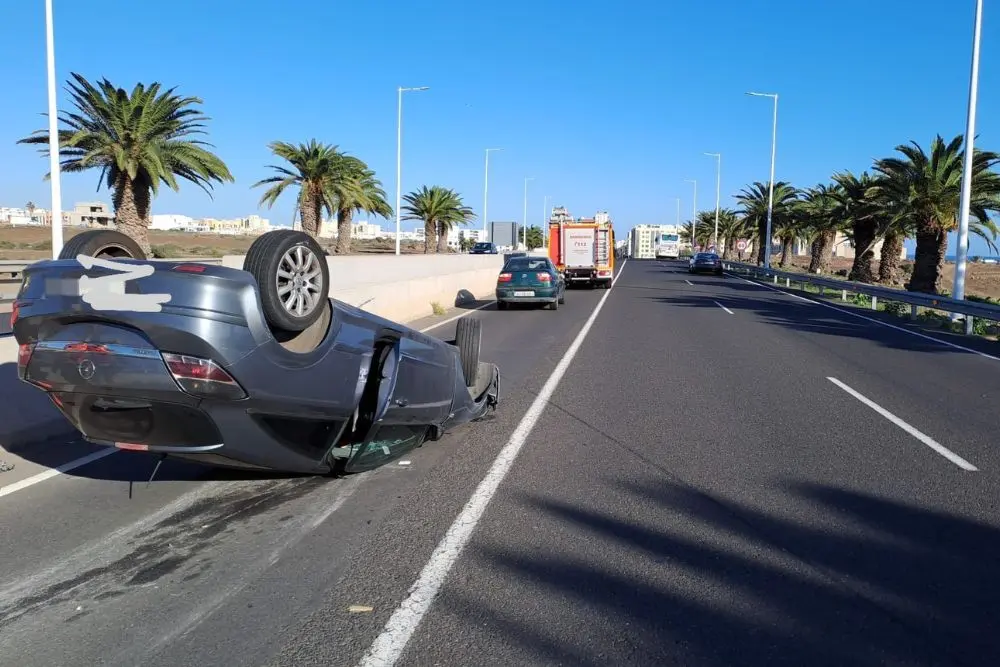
column 540, row 264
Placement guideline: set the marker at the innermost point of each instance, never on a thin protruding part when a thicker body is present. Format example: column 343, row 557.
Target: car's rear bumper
column 528, row 299
column 538, row 294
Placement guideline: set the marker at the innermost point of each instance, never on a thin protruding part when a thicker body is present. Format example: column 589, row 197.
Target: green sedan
column 528, row 279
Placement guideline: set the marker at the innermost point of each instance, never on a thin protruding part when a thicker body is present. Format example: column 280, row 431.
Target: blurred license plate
column 524, row 294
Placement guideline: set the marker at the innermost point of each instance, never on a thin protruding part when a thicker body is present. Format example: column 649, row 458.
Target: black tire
column 554, row 305
column 300, row 254
column 468, row 340
column 501, row 305
column 102, row 243
column 562, row 297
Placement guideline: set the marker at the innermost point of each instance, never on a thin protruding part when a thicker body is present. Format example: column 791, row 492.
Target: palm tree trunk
column 928, row 261
column 888, row 263
column 786, row 247
column 862, row 269
column 727, row 248
column 430, row 236
column 131, row 201
column 764, row 244
column 344, row 219
column 442, row 238
column 814, row 253
column 310, row 213
column 820, row 260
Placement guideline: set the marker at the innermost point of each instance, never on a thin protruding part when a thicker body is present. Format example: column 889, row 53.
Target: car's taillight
column 14, row 312
column 544, row 277
column 504, row 278
column 202, row 377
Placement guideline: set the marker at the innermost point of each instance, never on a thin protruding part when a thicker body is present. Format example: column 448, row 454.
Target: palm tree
column 927, row 188
column 821, row 220
column 753, row 202
column 359, row 190
column 439, row 208
column 137, row 140
column 731, row 229
column 703, row 231
column 323, row 174
column 862, row 212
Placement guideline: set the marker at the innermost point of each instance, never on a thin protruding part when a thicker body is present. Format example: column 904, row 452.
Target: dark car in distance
column 705, row 262
column 255, row 368
column 483, row 248
column 530, row 280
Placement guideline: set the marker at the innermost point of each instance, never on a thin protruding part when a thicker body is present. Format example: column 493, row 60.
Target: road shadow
column 809, row 318
column 833, row 300
column 736, row 585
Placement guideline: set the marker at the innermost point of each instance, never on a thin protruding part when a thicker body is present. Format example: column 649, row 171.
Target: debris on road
column 360, row 609
column 5, row 467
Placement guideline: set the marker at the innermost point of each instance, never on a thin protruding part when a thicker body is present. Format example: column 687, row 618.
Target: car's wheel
column 292, row 276
column 501, row 305
column 103, row 244
column 468, row 339
column 562, row 296
column 554, row 305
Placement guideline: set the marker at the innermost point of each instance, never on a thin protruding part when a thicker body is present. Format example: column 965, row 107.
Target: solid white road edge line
column 926, row 439
column 722, row 307
column 870, row 319
column 689, row 282
column 390, row 644
column 49, row 474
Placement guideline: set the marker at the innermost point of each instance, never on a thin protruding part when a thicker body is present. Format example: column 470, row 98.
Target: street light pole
column 399, row 154
column 770, row 187
column 961, row 258
column 718, row 196
column 54, row 181
column 694, row 212
column 524, row 226
column 486, row 189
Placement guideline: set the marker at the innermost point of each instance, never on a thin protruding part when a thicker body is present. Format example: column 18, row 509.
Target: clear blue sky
column 609, row 106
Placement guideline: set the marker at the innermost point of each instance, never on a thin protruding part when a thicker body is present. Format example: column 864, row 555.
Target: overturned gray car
column 255, row 368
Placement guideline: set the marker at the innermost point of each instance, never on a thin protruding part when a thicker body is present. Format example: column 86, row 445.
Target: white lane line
column 871, row 319
column 926, row 439
column 49, row 474
column 722, row 307
column 689, row 282
column 390, row 644
column 456, row 317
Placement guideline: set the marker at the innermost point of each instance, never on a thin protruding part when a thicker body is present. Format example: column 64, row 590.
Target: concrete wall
column 403, row 288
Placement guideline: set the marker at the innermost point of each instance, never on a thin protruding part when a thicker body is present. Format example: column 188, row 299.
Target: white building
column 172, row 222
column 642, row 240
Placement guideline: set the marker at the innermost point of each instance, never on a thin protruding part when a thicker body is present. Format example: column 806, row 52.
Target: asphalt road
column 697, row 491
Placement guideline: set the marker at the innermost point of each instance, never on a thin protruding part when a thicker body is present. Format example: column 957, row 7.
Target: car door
column 383, row 408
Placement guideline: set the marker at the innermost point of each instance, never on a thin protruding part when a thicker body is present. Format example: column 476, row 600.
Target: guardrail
column 10, row 273
column 972, row 310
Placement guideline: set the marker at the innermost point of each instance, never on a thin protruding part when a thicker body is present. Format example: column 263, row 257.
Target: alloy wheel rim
column 298, row 281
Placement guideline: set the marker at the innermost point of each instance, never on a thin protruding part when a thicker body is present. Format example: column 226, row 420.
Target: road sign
column 741, row 245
